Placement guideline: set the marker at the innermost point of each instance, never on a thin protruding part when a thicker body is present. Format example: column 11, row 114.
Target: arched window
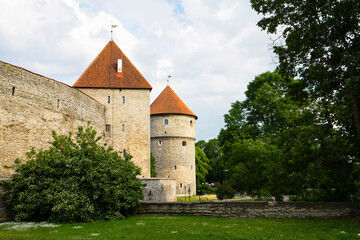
column 166, row 121
column 160, row 143
column 123, row 127
column 175, row 167
column 191, row 122
column 123, row 99
column 108, row 99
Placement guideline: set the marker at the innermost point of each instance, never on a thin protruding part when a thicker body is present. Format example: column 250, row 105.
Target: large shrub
column 76, row 179
column 224, row 191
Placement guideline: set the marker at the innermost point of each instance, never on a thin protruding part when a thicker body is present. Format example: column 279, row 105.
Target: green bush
column 224, row 191
column 76, row 179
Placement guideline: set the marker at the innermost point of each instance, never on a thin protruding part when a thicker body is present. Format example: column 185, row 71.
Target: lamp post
column 189, row 191
column 185, row 192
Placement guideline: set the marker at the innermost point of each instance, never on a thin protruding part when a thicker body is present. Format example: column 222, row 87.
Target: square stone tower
column 115, row 82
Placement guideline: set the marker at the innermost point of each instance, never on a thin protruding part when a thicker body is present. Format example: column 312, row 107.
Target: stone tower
column 173, row 136
column 115, row 82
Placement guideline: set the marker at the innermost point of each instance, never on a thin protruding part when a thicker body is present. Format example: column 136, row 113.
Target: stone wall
column 159, row 189
column 173, row 146
column 31, row 106
column 128, row 114
column 253, row 209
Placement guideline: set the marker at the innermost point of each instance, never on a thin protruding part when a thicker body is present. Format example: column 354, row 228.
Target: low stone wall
column 253, row 209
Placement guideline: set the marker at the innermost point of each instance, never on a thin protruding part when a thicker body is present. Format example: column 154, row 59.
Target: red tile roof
column 102, row 72
column 168, row 102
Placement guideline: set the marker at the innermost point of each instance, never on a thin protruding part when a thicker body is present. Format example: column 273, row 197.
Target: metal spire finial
column 169, row 76
column 112, row 26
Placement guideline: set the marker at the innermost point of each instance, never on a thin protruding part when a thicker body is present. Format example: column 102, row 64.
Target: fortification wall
column 31, row 106
column 173, row 146
column 127, row 114
column 159, row 189
column 253, row 209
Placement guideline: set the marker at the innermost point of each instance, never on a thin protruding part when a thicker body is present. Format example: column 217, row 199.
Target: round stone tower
column 173, row 135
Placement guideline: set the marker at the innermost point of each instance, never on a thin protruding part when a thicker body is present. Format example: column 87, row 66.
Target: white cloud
column 211, row 48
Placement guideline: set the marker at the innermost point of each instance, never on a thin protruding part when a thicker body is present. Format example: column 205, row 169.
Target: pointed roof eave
column 102, row 72
column 168, row 102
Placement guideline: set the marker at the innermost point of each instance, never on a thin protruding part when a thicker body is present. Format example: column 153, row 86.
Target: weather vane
column 112, row 26
column 168, row 79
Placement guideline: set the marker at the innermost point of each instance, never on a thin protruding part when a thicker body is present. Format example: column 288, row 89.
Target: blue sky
column 212, row 49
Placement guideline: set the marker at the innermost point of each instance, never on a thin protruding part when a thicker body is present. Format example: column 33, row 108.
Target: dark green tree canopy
column 76, row 179
column 202, row 166
column 320, row 42
column 276, row 142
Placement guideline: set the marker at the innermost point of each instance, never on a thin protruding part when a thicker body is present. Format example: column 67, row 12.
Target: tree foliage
column 202, row 167
column 224, row 191
column 320, row 42
column 275, row 141
column 76, row 179
column 212, row 151
column 153, row 172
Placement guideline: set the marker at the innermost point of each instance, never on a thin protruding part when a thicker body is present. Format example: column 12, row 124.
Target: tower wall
column 127, row 114
column 173, row 146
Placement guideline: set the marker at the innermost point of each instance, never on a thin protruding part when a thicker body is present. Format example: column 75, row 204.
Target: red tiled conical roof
column 102, row 72
column 169, row 102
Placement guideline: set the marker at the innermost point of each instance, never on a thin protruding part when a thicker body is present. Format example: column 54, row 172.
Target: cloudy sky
column 211, row 48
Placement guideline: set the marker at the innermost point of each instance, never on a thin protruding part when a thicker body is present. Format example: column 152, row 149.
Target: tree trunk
column 356, row 109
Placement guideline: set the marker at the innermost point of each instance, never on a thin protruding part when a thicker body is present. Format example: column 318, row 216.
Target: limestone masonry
column 114, row 96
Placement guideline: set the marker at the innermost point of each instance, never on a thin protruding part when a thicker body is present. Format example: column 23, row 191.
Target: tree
column 153, row 172
column 224, row 191
column 320, row 41
column 275, row 141
column 202, row 167
column 76, row 179
column 212, row 151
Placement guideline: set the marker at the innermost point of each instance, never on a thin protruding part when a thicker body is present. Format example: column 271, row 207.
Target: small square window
column 184, row 143
column 107, row 127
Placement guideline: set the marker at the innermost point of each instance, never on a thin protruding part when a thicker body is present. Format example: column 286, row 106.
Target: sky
column 211, row 48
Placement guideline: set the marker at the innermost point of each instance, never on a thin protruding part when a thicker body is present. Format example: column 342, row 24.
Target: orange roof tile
column 102, row 72
column 169, row 102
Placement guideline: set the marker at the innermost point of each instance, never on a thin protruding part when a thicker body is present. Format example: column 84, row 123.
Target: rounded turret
column 173, row 134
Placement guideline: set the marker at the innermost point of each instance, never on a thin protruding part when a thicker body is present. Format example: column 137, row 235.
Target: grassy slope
column 163, row 227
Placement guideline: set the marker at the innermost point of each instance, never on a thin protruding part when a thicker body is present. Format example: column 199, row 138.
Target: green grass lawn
column 181, row 227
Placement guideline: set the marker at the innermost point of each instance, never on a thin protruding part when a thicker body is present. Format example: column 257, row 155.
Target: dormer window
column 119, row 68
